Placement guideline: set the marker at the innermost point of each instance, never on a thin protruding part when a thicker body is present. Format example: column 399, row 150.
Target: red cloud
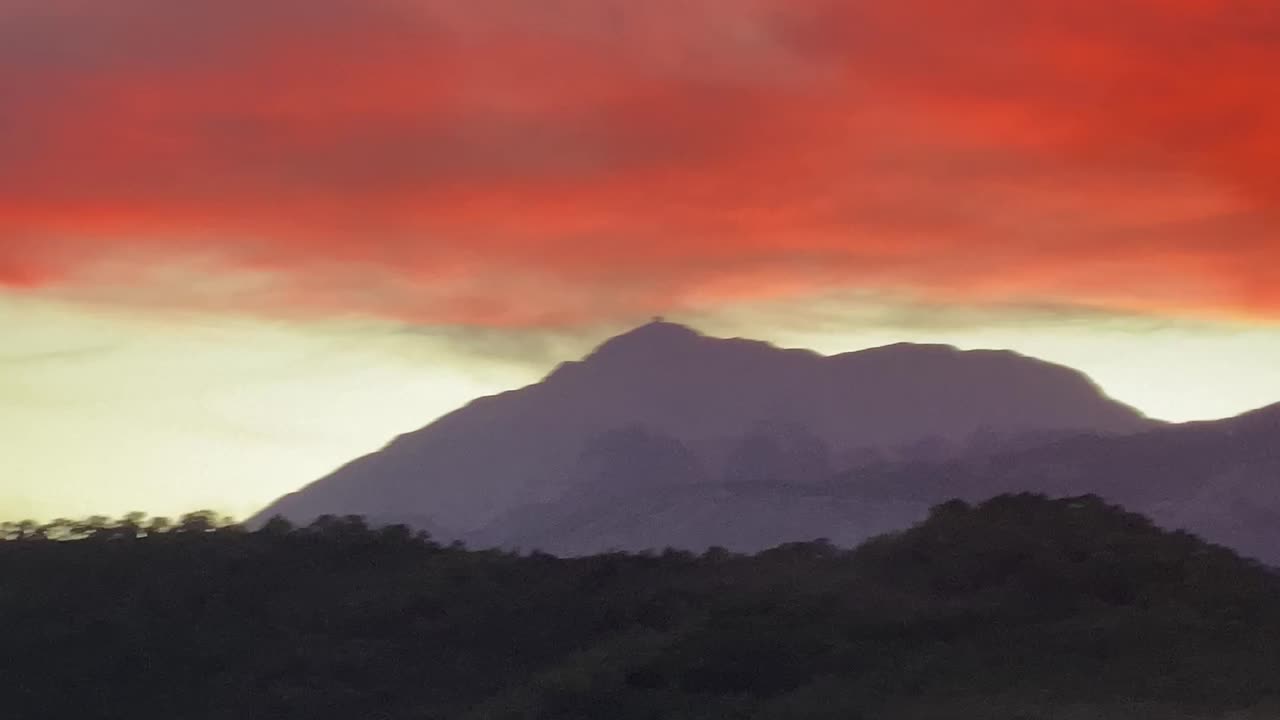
column 532, row 162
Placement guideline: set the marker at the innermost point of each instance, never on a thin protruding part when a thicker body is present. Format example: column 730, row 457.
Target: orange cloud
column 518, row 162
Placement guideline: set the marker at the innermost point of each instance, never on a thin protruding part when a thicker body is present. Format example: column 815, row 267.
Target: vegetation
column 1022, row 607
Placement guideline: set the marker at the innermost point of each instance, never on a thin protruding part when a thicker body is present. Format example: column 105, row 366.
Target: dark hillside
column 1034, row 607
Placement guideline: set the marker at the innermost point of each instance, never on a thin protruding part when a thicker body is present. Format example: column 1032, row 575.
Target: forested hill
column 1021, row 607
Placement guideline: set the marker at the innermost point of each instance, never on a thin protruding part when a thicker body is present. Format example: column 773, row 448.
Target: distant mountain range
column 665, row 437
column 1220, row 480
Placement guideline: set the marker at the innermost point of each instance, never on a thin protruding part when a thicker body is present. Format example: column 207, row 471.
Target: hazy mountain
column 1220, row 480
column 666, row 410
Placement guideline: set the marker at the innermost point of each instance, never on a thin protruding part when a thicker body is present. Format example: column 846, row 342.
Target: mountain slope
column 525, row 447
column 1219, row 480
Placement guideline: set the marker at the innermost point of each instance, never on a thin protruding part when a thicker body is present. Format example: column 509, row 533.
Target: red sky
column 518, row 162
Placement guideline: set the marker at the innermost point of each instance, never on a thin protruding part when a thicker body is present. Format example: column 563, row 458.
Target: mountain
column 663, row 409
column 1219, row 480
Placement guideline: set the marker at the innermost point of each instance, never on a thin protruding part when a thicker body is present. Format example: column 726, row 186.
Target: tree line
column 1019, row 607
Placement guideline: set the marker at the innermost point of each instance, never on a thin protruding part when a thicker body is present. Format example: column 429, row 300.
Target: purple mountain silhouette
column 664, row 406
column 1220, row 480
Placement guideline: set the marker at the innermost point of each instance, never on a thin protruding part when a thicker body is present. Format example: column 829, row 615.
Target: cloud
column 576, row 161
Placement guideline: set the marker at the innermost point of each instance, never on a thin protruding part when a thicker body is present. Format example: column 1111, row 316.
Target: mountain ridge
column 475, row 464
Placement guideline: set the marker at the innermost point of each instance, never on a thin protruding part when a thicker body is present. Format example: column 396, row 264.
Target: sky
column 242, row 242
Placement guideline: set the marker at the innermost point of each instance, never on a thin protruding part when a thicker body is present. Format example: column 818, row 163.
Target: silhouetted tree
column 1020, row 602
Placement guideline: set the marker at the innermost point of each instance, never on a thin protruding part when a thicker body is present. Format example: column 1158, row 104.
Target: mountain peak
column 657, row 330
column 656, row 337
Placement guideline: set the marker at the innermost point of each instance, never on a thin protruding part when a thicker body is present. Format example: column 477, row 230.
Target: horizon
column 538, row 373
column 243, row 243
